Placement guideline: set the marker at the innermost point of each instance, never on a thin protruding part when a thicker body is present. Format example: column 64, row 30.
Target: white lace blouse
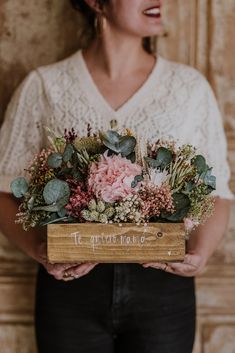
column 175, row 102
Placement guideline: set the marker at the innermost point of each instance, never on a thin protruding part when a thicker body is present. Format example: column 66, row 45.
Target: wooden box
column 110, row 243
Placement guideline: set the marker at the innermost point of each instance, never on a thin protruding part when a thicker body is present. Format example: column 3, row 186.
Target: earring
column 100, row 24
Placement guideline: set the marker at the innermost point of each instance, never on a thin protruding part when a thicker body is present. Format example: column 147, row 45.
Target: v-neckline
column 96, row 97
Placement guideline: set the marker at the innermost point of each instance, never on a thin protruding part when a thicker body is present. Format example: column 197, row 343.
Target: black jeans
column 121, row 308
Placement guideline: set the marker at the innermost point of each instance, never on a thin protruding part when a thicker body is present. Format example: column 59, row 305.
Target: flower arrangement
column 114, row 177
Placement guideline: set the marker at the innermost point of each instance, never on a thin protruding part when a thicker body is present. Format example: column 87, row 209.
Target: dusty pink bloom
column 78, row 200
column 111, row 177
column 156, row 200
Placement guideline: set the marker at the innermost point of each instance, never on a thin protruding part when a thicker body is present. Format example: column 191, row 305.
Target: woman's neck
column 116, row 56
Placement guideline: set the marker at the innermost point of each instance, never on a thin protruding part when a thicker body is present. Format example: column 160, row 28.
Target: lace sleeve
column 213, row 142
column 21, row 132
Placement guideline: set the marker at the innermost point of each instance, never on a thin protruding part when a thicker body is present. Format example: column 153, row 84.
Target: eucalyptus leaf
column 127, row 145
column 31, row 203
column 53, row 219
column 133, row 183
column 182, row 205
column 151, row 162
column 54, row 207
column 49, row 208
column 111, row 136
column 164, row 157
column 138, row 178
column 62, row 212
column 190, row 186
column 68, row 152
column 54, row 160
column 119, row 144
column 132, row 157
column 64, row 171
column 210, row 180
column 55, row 190
column 19, row 187
column 200, row 164
column 77, row 175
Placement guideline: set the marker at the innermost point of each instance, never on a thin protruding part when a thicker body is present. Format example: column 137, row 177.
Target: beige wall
column 200, row 33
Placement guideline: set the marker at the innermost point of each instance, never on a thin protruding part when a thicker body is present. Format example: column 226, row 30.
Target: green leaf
column 31, row 203
column 19, row 187
column 164, row 157
column 64, row 171
column 151, row 162
column 54, row 160
column 77, row 175
column 190, row 186
column 182, row 205
column 200, row 164
column 111, row 136
column 55, row 207
column 49, row 208
column 119, row 144
column 55, row 190
column 62, row 212
column 138, row 178
column 127, row 145
column 209, row 179
column 133, row 183
column 132, row 157
column 68, row 152
column 52, row 219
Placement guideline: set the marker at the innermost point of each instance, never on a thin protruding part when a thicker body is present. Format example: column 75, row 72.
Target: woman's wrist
column 35, row 244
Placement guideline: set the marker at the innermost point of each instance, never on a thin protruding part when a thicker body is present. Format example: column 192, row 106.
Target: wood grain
column 114, row 243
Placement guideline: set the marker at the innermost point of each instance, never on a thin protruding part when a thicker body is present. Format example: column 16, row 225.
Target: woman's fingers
column 82, row 269
column 68, row 272
column 191, row 266
column 58, row 270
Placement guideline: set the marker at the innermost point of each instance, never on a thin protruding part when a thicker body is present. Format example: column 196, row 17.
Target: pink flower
column 190, row 224
column 156, row 200
column 111, row 177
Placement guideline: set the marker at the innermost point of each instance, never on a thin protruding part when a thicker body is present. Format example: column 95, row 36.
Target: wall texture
column 199, row 33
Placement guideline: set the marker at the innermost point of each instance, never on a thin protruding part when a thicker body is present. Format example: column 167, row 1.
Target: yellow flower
column 129, row 132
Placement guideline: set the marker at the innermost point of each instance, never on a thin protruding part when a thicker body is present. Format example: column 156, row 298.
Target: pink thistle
column 111, row 177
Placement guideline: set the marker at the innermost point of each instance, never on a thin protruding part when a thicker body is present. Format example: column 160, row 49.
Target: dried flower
column 98, row 211
column 78, row 200
column 156, row 200
column 111, row 177
column 129, row 209
column 38, row 169
column 70, row 135
column 157, row 177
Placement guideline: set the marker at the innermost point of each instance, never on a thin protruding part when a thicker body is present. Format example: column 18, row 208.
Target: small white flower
column 158, row 178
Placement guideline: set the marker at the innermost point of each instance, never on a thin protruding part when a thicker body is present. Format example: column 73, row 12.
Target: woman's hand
column 192, row 265
column 65, row 272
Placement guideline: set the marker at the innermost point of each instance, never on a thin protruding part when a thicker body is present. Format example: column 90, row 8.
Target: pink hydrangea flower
column 111, row 177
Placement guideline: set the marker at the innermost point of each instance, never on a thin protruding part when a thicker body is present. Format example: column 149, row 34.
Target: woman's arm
column 33, row 242
column 28, row 241
column 202, row 243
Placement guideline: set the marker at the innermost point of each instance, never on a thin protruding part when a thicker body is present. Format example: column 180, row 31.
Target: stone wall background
column 199, row 33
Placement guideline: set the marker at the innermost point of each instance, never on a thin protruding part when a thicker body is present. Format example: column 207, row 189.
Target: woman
column 115, row 80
